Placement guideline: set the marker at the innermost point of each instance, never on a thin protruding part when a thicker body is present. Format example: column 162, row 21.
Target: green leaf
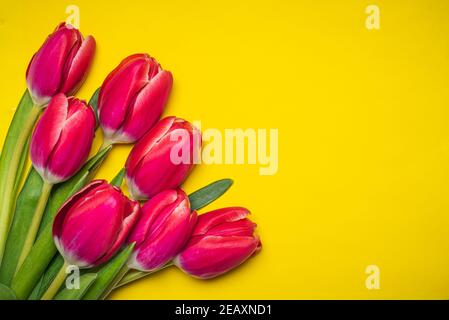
column 94, row 103
column 12, row 161
column 86, row 281
column 24, row 212
column 118, row 179
column 44, row 249
column 109, row 275
column 209, row 193
column 48, row 277
column 23, row 160
column 6, row 293
column 132, row 276
column 60, row 194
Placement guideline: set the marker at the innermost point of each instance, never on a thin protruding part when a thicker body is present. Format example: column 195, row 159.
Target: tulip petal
column 132, row 213
column 144, row 145
column 90, row 227
column 155, row 68
column 107, row 83
column 163, row 158
column 147, row 107
column 149, row 214
column 45, row 71
column 215, row 218
column 118, row 90
column 175, row 210
column 169, row 230
column 157, row 172
column 62, row 213
column 244, row 227
column 65, row 159
column 47, row 132
column 215, row 255
column 78, row 66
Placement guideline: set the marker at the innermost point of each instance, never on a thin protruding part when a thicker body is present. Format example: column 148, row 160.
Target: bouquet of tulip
column 57, row 218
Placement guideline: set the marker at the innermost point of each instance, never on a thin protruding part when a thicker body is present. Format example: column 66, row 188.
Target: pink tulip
column 222, row 240
column 60, row 65
column 132, row 98
column 62, row 139
column 93, row 224
column 163, row 158
column 162, row 230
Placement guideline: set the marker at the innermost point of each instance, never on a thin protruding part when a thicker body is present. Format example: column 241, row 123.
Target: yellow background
column 363, row 131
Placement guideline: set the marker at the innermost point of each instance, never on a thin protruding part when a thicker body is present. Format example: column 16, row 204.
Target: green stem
column 117, row 279
column 56, row 283
column 134, row 275
column 35, row 223
column 131, row 276
column 106, row 144
column 14, row 145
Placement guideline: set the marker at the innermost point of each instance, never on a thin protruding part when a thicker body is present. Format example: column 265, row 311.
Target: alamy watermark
column 372, row 281
column 73, row 17
column 230, row 146
column 73, row 279
column 372, row 21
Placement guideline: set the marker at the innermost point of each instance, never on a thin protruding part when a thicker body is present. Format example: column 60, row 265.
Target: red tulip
column 222, row 240
column 162, row 230
column 93, row 224
column 163, row 158
column 132, row 98
column 60, row 65
column 62, row 139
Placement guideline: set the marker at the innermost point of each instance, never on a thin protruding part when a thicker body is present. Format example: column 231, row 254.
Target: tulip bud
column 222, row 240
column 132, row 98
column 60, row 65
column 163, row 158
column 62, row 139
column 162, row 230
column 93, row 224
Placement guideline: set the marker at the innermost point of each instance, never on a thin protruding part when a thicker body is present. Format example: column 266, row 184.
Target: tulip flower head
column 222, row 240
column 132, row 98
column 60, row 65
column 93, row 224
column 162, row 230
column 62, row 139
column 163, row 158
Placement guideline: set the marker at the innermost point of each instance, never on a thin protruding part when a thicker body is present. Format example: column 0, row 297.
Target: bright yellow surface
column 363, row 131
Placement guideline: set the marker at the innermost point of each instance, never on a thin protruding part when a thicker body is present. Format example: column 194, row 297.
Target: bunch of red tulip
column 95, row 225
